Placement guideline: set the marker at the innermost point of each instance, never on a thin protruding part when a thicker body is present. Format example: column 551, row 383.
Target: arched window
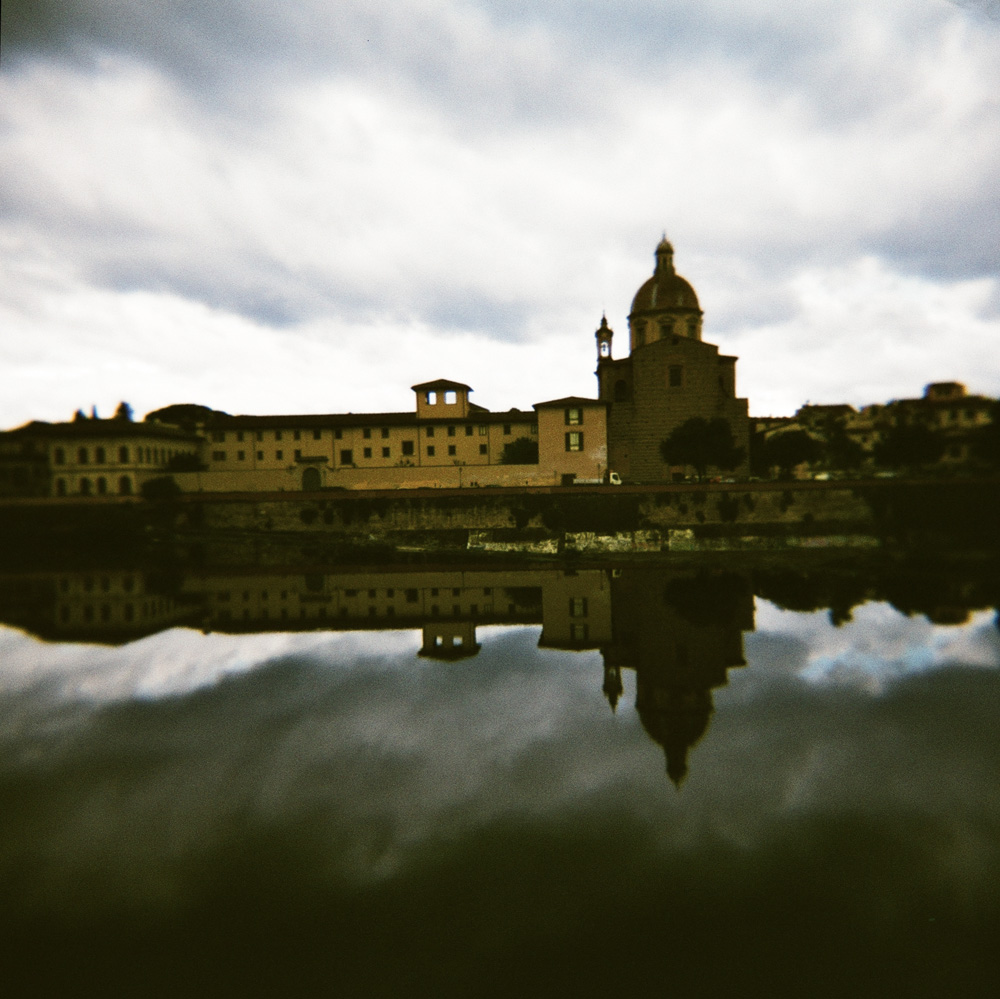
column 102, row 486
column 85, row 487
column 123, row 454
column 99, row 456
column 81, row 456
column 125, row 486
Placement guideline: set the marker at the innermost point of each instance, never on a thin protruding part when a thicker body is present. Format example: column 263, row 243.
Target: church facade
column 670, row 376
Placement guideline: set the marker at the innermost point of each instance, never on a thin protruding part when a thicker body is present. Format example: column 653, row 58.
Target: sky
column 310, row 207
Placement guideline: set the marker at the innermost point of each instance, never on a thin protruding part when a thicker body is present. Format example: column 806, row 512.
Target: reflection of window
column 218, row 456
column 574, row 441
column 578, row 632
column 574, row 416
column 577, row 606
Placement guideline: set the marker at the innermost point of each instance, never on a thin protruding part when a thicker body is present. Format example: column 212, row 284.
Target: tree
column 701, row 443
column 186, row 415
column 788, row 448
column 909, row 446
column 986, row 440
column 123, row 412
column 523, row 451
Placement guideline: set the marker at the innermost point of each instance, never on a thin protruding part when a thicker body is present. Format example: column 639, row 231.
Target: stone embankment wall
column 549, row 520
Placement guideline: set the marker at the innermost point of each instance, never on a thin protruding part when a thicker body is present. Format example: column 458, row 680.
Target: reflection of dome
column 676, row 718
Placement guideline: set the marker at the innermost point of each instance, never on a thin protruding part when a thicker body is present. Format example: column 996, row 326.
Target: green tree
column 788, row 448
column 523, row 451
column 701, row 443
column 909, row 446
column 986, row 440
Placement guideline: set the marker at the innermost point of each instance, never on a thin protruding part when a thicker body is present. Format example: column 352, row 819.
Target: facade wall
column 668, row 382
column 558, row 441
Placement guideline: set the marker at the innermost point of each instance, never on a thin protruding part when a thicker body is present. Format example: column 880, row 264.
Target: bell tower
column 604, row 336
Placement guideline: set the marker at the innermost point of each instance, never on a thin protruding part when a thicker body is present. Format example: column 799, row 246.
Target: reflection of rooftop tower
column 449, row 640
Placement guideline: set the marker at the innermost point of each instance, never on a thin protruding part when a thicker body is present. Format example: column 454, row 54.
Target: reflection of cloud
column 342, row 798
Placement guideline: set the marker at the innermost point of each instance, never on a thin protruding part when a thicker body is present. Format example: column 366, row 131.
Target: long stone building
column 445, row 440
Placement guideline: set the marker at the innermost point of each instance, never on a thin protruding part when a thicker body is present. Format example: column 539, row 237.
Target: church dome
column 666, row 289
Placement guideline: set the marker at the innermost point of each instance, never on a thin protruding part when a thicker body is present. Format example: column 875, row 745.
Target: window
column 260, row 455
column 430, row 450
column 450, row 398
column 506, row 430
column 385, row 432
column 241, row 456
column 431, row 398
column 578, row 632
column 337, row 434
column 218, row 456
column 366, row 452
column 59, row 456
column 386, row 452
column 279, row 455
column 219, row 436
column 574, row 441
column 123, row 454
column 367, row 433
column 277, row 435
column 81, row 456
column 482, row 430
column 317, row 435
column 408, row 447
column 297, row 435
column 451, row 450
column 102, row 486
column 60, row 487
column 675, row 375
column 298, row 454
column 430, row 431
column 124, row 486
column 84, row 487
column 577, row 606
column 347, row 457
column 482, row 449
column 239, row 435
column 574, row 416
column 99, row 456
column 468, row 431
column 451, row 431
column 260, row 435
column 640, row 335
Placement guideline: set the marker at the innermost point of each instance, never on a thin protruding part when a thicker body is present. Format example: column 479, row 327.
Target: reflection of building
column 446, row 440
column 681, row 635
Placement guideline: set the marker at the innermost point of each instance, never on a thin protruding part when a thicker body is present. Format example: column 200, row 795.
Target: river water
column 478, row 781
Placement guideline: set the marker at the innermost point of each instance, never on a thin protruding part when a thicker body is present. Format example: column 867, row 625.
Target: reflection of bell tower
column 681, row 634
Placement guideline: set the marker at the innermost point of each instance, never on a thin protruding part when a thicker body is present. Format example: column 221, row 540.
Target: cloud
column 499, row 176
